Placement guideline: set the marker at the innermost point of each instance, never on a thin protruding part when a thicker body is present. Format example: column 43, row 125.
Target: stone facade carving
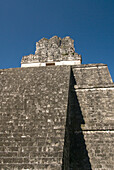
column 57, row 50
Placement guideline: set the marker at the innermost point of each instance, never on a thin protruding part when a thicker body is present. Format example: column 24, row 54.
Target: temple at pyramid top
column 53, row 51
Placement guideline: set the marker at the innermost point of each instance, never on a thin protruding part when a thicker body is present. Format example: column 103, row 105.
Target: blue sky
column 89, row 22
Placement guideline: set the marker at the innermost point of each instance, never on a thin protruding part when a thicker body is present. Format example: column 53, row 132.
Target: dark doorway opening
column 50, row 64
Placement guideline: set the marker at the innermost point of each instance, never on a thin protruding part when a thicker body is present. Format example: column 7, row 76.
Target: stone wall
column 92, row 75
column 33, row 113
column 92, row 118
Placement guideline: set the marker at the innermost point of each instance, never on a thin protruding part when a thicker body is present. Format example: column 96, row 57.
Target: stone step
column 31, row 166
column 32, row 149
column 16, row 154
column 29, row 160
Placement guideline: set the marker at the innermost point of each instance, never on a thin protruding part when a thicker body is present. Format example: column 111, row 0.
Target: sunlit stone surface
column 55, row 51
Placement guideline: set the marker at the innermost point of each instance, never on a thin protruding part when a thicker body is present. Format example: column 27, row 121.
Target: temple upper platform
column 53, row 51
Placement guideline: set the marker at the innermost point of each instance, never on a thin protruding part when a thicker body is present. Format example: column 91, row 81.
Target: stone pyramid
column 56, row 113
